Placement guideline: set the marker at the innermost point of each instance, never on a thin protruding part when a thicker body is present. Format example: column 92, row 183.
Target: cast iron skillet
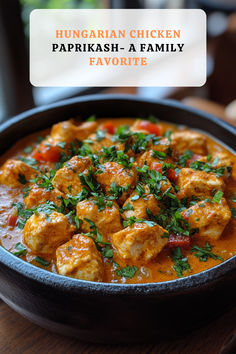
column 115, row 313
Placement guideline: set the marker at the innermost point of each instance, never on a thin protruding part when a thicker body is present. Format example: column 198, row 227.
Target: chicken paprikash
column 121, row 200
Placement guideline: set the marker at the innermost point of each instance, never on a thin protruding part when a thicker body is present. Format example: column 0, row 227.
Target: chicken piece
column 80, row 259
column 222, row 159
column 148, row 158
column 107, row 220
column 67, row 178
column 163, row 145
column 67, row 131
column 188, row 140
column 140, row 242
column 140, row 205
column 209, row 218
column 165, row 184
column 44, row 233
column 38, row 196
column 198, row 183
column 137, row 129
column 113, row 177
column 15, row 173
column 97, row 142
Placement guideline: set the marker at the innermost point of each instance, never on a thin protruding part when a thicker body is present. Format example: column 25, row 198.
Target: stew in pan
column 119, row 200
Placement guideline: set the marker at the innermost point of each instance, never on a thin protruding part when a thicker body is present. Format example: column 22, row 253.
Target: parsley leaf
column 92, row 118
column 207, row 167
column 41, row 261
column 21, row 250
column 204, row 253
column 45, row 181
column 117, row 191
column 185, row 157
column 29, row 161
column 233, row 212
column 127, row 272
column 217, row 197
column 180, row 262
column 89, row 181
column 100, row 135
column 159, row 154
column 28, row 149
column 132, row 220
column 128, row 206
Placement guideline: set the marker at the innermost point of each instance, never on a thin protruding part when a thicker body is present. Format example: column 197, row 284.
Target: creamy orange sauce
column 159, row 270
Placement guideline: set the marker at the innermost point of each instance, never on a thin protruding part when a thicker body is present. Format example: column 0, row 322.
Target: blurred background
column 217, row 96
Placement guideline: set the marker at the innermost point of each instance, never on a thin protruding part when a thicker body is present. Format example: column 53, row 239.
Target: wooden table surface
column 18, row 335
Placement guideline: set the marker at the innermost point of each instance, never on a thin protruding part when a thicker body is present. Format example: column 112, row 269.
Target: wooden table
column 18, row 335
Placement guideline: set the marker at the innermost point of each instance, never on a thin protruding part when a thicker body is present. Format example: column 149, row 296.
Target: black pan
column 115, row 313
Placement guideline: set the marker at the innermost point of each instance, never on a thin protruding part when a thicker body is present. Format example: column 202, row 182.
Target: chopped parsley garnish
column 204, row 253
column 21, row 250
column 72, row 201
column 100, row 135
column 61, row 144
column 159, row 154
column 140, row 142
column 92, row 118
column 101, row 201
column 107, row 251
column 28, row 149
column 46, row 208
column 128, row 206
column 41, row 261
column 233, row 212
column 23, row 214
column 217, row 197
column 89, row 181
column 180, row 262
column 103, row 247
column 207, row 167
column 168, row 134
column 127, row 272
column 28, row 161
column 45, row 181
column 76, row 221
column 140, row 191
column 185, row 157
column 117, row 191
column 63, row 158
column 112, row 154
column 132, row 220
column 26, row 191
column 152, row 119
column 122, row 134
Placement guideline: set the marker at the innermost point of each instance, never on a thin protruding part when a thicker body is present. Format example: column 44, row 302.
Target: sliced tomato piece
column 50, row 153
column 109, row 127
column 172, row 175
column 12, row 220
column 149, row 127
column 179, row 241
column 194, row 158
column 157, row 166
